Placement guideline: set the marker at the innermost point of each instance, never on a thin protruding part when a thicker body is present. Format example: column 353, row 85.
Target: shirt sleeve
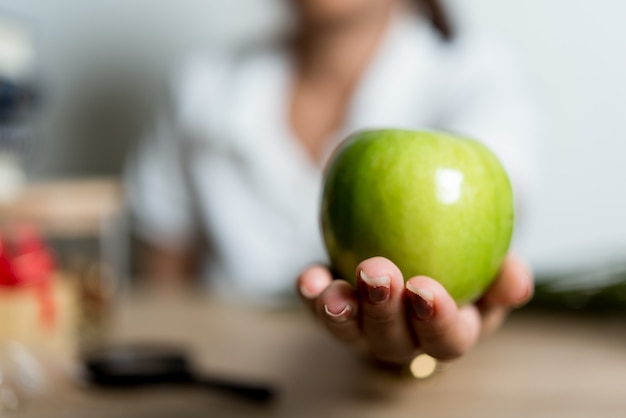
column 157, row 191
column 158, row 174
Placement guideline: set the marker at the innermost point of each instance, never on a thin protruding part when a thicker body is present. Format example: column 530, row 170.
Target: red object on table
column 28, row 264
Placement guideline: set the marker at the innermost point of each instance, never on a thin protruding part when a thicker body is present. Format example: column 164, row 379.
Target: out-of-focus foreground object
column 61, row 259
column 37, row 315
column 84, row 223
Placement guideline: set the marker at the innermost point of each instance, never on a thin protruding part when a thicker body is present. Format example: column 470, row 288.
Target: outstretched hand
column 394, row 321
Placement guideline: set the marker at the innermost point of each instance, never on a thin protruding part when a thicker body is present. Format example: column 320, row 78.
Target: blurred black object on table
column 144, row 365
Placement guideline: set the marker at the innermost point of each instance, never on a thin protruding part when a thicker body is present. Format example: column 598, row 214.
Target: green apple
column 434, row 203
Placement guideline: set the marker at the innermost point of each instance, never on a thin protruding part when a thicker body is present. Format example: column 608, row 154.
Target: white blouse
column 223, row 163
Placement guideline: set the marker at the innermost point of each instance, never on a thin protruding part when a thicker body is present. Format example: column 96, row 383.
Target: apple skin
column 434, row 203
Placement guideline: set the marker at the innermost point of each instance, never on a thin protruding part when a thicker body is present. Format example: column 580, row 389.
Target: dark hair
column 437, row 14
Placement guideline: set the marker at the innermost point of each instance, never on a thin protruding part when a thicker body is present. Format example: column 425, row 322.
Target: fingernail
column 422, row 301
column 338, row 314
column 377, row 289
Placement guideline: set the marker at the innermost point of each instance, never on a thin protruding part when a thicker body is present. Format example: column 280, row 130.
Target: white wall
column 575, row 52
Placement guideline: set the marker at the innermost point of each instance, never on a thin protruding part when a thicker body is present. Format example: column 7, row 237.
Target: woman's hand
column 394, row 321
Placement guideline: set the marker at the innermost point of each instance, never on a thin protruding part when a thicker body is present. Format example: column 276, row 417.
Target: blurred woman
column 231, row 175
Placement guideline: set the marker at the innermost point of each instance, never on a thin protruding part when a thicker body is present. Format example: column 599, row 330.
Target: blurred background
column 99, row 68
column 80, row 81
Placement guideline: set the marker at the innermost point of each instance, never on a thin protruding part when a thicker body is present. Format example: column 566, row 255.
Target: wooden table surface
column 538, row 365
